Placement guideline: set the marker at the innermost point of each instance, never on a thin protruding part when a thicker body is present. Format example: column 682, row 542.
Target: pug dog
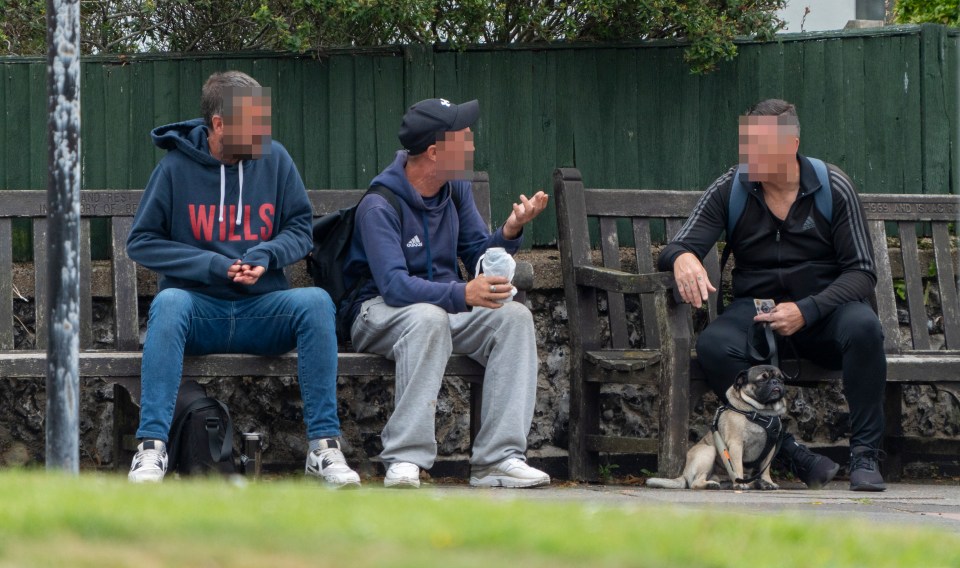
column 759, row 388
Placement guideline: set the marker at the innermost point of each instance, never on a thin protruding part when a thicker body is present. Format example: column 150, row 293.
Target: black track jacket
column 802, row 259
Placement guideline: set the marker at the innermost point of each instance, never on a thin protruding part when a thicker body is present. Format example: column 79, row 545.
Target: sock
column 323, row 444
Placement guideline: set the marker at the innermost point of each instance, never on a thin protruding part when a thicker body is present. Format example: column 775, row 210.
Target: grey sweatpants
column 421, row 338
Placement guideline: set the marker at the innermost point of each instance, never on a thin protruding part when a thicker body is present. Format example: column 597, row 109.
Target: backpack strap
column 218, row 452
column 738, row 202
column 823, row 198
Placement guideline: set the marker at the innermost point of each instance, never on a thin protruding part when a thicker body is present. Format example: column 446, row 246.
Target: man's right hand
column 692, row 280
column 484, row 291
column 234, row 270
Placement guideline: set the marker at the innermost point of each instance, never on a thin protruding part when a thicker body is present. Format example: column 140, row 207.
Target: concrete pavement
column 902, row 504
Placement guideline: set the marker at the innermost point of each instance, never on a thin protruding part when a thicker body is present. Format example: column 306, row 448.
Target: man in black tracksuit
column 819, row 272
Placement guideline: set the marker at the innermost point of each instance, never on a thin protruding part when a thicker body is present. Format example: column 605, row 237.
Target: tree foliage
column 125, row 26
column 946, row 12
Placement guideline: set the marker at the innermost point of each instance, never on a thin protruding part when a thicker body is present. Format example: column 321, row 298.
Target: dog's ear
column 742, row 379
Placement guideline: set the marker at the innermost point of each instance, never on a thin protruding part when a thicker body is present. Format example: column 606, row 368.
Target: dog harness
column 772, row 426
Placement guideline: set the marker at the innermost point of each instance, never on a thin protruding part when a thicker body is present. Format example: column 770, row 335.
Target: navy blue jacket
column 413, row 259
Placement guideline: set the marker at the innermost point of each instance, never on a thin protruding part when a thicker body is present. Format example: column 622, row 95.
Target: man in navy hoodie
column 416, row 308
column 224, row 211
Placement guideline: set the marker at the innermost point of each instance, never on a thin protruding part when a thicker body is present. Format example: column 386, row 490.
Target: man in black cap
column 416, row 309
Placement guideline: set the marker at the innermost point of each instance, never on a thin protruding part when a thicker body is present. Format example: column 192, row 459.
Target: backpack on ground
column 823, row 200
column 201, row 438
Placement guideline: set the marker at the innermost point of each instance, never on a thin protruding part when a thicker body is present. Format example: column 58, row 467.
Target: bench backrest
column 119, row 206
column 642, row 212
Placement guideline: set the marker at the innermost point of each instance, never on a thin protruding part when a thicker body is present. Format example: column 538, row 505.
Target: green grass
column 100, row 520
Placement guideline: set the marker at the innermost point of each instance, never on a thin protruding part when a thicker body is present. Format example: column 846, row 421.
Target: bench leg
column 126, row 420
column 476, row 403
column 893, row 432
column 584, row 463
column 675, row 344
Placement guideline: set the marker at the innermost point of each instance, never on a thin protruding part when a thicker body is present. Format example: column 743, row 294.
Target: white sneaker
column 327, row 462
column 511, row 472
column 402, row 474
column 150, row 463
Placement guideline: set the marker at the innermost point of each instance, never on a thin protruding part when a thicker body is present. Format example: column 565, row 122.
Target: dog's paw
column 764, row 485
column 741, row 486
column 711, row 485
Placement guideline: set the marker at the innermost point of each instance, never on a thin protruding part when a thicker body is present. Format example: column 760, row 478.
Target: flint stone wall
column 273, row 406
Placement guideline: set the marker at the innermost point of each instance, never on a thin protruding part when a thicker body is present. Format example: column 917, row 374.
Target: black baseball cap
column 427, row 119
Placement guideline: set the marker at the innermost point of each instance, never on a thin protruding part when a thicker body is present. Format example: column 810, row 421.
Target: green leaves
column 946, row 12
column 122, row 26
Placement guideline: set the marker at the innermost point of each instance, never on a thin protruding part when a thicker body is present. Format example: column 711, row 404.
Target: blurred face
column 246, row 125
column 455, row 155
column 768, row 146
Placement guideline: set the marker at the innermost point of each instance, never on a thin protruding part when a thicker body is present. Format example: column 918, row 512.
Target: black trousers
column 849, row 339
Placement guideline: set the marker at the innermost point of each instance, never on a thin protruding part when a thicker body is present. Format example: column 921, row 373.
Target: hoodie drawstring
column 223, row 187
column 240, row 199
column 223, row 184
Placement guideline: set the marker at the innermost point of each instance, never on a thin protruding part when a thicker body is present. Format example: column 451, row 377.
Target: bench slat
column 883, row 292
column 23, row 364
column 626, row 360
column 6, row 284
column 126, row 314
column 40, row 280
column 616, row 306
column 910, row 207
column 641, row 239
column 649, row 203
column 609, row 444
column 86, row 301
column 947, row 279
column 914, row 284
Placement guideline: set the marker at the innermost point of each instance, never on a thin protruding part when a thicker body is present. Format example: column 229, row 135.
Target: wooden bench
column 602, row 350
column 121, row 364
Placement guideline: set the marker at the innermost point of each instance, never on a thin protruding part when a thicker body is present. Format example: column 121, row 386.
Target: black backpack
column 201, row 438
column 331, row 243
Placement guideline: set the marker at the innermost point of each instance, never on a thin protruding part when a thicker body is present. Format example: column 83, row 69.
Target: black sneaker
column 865, row 470
column 812, row 469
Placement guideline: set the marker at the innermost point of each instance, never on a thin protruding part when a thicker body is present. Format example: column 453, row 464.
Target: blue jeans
column 188, row 323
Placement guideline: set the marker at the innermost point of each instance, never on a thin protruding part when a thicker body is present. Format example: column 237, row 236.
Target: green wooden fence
column 882, row 104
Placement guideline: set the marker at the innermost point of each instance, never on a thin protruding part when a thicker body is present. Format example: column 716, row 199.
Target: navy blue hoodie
column 413, row 259
column 197, row 217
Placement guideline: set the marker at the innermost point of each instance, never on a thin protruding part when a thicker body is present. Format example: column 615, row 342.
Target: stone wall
column 273, row 406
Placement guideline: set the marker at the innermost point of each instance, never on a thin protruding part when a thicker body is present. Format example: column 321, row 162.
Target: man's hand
column 523, row 213
column 692, row 280
column 484, row 291
column 234, row 270
column 248, row 274
column 785, row 319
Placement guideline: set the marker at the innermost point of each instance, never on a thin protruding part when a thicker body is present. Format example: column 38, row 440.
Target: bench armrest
column 623, row 282
column 523, row 276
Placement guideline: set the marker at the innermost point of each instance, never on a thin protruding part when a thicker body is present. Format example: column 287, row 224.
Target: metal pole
column 63, row 239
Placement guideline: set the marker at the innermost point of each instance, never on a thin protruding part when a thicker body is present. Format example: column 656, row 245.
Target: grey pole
column 63, row 238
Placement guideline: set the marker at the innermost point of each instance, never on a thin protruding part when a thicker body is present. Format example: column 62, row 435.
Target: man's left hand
column 523, row 213
column 249, row 274
column 785, row 319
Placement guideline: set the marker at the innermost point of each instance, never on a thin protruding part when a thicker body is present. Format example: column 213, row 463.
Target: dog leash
column 772, row 356
column 772, row 427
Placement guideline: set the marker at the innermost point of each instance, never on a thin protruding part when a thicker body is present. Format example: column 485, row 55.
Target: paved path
column 903, row 504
